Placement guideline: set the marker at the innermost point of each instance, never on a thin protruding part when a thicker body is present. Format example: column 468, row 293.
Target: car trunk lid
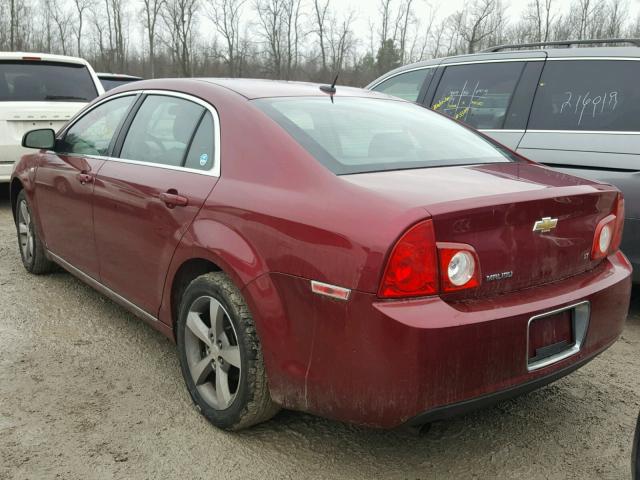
column 495, row 207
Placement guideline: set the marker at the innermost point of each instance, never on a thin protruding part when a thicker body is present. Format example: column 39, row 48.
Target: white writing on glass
column 587, row 104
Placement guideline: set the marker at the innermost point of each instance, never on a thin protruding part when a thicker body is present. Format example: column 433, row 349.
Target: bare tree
column 384, row 8
column 616, row 14
column 270, row 19
column 292, row 15
column 62, row 20
column 405, row 15
column 180, row 19
column 581, row 14
column 100, row 37
column 341, row 41
column 421, row 42
column 290, row 39
column 321, row 9
column 475, row 23
column 13, row 22
column 117, row 21
column 540, row 15
column 226, row 16
column 151, row 11
column 81, row 7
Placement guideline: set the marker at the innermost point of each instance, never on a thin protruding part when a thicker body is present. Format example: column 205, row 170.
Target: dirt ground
column 89, row 392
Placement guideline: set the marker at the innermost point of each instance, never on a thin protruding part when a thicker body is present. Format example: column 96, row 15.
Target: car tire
column 220, row 354
column 32, row 251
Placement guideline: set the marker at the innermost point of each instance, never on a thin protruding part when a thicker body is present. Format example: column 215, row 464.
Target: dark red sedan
column 343, row 253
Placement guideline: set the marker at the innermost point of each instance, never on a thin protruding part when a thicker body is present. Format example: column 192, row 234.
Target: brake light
column 419, row 267
column 608, row 234
column 412, row 268
column 459, row 267
column 602, row 238
column 32, row 58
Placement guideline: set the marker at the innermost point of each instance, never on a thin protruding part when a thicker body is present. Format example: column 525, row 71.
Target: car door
column 65, row 181
column 144, row 200
column 483, row 95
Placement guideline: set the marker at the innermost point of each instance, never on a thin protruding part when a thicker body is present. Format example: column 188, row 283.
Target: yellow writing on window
column 436, row 106
column 461, row 113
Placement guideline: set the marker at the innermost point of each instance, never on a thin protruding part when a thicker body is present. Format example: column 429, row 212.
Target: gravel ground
column 88, row 391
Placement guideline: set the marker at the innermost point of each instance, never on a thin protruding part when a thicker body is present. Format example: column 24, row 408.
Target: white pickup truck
column 39, row 91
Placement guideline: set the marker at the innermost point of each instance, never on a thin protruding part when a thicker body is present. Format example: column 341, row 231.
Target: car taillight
column 608, row 234
column 459, row 267
column 418, row 266
column 412, row 268
column 602, row 239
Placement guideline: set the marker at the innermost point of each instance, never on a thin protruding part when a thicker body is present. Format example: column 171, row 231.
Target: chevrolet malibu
column 322, row 249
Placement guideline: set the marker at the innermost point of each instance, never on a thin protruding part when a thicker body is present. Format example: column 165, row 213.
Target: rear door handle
column 85, row 178
column 174, row 199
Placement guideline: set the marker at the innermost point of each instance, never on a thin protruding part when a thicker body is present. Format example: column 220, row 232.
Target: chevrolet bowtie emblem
column 546, row 224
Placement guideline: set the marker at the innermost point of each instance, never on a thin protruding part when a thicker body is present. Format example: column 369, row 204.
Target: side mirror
column 42, row 139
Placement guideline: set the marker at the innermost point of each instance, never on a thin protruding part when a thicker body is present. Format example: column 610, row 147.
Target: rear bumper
column 386, row 363
column 5, row 172
column 9, row 155
column 466, row 406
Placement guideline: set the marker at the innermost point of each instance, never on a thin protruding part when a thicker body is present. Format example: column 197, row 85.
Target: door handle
column 85, row 178
column 172, row 199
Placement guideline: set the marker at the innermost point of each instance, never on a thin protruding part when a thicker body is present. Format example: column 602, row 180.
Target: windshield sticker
column 204, row 158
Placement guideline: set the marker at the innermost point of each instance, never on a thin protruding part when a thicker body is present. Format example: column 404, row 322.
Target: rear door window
column 162, row 130
column 588, row 95
column 406, row 85
column 92, row 133
column 478, row 94
column 35, row 81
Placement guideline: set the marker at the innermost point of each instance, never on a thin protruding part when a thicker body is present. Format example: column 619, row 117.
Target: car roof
column 515, row 54
column 45, row 57
column 260, row 88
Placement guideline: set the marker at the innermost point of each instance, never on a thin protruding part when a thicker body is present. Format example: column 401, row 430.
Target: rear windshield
column 110, row 83
column 34, row 81
column 358, row 135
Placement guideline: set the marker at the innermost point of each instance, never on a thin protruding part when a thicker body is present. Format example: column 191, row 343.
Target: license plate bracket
column 556, row 335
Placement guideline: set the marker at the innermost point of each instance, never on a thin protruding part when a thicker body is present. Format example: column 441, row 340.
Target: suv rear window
column 357, row 135
column 588, row 95
column 35, row 81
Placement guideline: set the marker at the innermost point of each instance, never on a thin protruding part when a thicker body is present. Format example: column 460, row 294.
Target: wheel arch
column 208, row 246
column 188, row 271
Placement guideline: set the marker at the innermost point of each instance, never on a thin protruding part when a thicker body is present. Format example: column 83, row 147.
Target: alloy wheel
column 212, row 351
column 25, row 231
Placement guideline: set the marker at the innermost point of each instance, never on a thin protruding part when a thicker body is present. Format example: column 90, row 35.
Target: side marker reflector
column 332, row 291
